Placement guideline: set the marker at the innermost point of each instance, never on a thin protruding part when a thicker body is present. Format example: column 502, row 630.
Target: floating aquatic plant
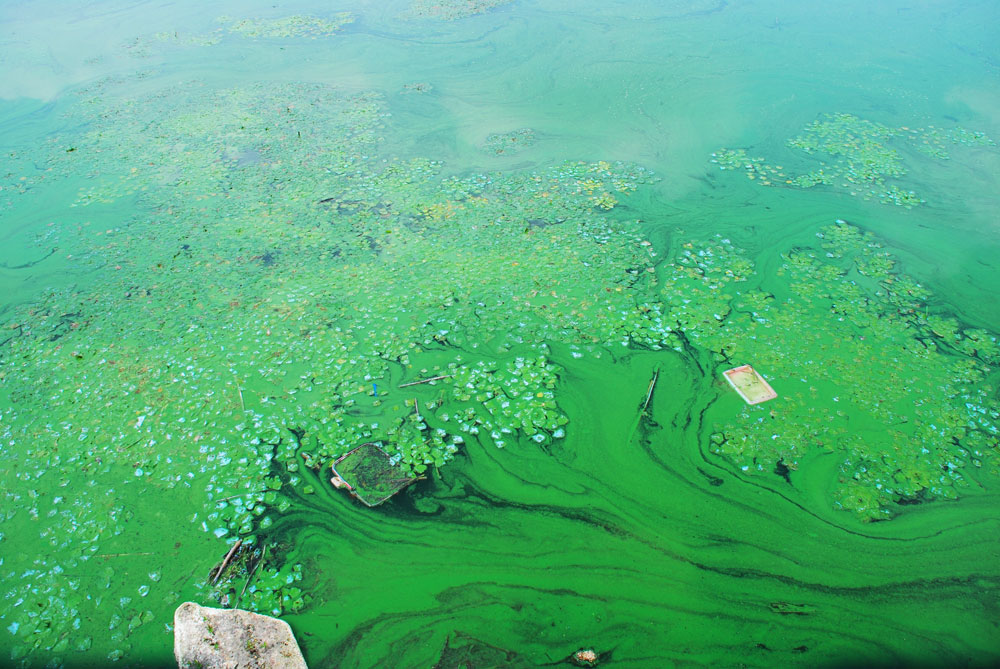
column 858, row 155
column 289, row 26
column 902, row 435
column 453, row 9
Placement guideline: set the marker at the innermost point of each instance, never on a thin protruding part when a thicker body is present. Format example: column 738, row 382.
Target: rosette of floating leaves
column 245, row 485
column 259, row 579
column 738, row 159
column 515, row 397
column 332, row 438
column 900, row 468
column 645, row 325
column 699, row 287
column 415, row 447
column 274, row 590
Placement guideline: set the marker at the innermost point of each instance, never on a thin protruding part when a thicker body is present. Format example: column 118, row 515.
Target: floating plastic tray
column 369, row 474
column 749, row 384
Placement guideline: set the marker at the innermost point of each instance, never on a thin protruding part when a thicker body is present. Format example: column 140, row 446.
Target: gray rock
column 207, row 638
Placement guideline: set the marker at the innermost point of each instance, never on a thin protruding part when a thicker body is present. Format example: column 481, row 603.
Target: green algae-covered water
column 515, row 244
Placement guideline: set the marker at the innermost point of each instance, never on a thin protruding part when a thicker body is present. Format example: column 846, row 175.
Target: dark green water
column 228, row 242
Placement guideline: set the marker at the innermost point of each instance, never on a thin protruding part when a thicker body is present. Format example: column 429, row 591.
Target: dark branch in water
column 225, row 561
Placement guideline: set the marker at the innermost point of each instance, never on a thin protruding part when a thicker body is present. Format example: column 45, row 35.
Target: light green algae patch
column 507, row 143
column 298, row 26
column 450, row 10
column 865, row 158
column 289, row 26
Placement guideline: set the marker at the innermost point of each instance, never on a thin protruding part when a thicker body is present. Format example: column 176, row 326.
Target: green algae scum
column 511, row 248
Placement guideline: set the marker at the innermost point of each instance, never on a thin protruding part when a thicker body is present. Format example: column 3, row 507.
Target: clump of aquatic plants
column 488, row 400
column 296, row 26
column 416, row 448
column 253, row 578
column 505, row 400
column 289, row 26
column 863, row 157
column 903, row 435
column 450, row 10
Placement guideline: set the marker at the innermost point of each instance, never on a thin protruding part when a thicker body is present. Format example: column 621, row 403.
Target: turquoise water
column 234, row 239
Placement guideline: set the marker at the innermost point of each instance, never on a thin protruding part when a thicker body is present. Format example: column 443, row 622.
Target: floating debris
column 439, row 377
column 418, row 87
column 369, row 474
column 217, row 572
column 750, row 385
column 585, row 657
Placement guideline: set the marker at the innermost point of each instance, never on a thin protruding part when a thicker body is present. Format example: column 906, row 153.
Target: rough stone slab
column 207, row 638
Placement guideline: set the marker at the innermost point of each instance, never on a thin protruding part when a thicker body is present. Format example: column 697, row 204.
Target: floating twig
column 649, row 393
column 239, row 391
column 226, row 560
column 242, row 494
column 645, row 405
column 111, row 555
column 433, row 378
column 416, row 408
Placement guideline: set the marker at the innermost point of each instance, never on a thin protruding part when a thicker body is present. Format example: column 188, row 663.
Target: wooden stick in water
column 111, row 555
column 226, row 560
column 433, row 378
column 226, row 499
column 645, row 405
column 243, row 406
column 416, row 407
column 649, row 393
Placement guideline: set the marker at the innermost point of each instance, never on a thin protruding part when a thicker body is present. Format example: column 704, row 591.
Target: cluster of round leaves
column 487, row 398
column 858, row 155
column 506, row 399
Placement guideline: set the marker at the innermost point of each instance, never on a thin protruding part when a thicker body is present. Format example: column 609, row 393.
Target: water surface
column 230, row 238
